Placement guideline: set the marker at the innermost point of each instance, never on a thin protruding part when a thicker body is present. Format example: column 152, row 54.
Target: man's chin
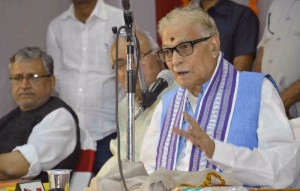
column 25, row 105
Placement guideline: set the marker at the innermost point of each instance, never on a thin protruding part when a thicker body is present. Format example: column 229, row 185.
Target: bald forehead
column 180, row 32
column 143, row 40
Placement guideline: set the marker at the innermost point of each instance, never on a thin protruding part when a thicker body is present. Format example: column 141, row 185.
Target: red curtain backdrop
column 163, row 7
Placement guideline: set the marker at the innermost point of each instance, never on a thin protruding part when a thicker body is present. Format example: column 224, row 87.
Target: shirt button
column 80, row 89
column 270, row 61
column 288, row 18
column 84, row 49
column 278, row 38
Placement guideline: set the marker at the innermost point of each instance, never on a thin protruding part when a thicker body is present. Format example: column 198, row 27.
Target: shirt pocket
column 102, row 58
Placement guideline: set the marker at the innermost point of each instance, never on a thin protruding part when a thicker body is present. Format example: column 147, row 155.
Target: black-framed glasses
column 31, row 78
column 183, row 49
column 122, row 65
column 147, row 53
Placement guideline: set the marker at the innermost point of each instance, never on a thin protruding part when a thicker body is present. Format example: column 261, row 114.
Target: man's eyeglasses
column 183, row 49
column 147, row 53
column 122, row 64
column 31, row 78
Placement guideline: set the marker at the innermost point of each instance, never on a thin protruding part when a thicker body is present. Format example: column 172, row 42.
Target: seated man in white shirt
column 42, row 133
column 218, row 118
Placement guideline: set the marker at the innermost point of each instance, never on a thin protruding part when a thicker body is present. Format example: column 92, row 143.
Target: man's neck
column 84, row 10
column 207, row 4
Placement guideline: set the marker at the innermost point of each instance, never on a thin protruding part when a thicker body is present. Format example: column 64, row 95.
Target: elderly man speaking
column 219, row 118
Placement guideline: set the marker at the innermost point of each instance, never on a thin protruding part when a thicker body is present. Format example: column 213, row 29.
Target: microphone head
column 126, row 4
column 167, row 75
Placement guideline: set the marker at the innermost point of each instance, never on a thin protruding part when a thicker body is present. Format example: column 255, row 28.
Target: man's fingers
column 181, row 132
column 191, row 120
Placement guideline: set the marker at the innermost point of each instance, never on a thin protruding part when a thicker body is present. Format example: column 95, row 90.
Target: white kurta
column 51, row 141
column 275, row 163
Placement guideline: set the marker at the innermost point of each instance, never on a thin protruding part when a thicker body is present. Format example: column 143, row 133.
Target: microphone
column 126, row 5
column 163, row 80
column 128, row 19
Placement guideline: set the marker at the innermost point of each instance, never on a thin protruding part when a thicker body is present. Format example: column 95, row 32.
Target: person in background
column 219, row 118
column 238, row 29
column 278, row 52
column 42, row 133
column 78, row 40
column 150, row 67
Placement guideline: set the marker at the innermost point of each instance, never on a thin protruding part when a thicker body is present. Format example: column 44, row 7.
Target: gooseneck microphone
column 163, row 80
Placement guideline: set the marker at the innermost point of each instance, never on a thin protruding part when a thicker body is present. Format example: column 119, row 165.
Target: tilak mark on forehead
column 172, row 39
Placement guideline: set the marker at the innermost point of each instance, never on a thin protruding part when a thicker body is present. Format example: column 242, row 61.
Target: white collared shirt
column 85, row 78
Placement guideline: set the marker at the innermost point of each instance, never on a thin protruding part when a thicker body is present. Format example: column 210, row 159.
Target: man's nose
column 176, row 58
column 25, row 83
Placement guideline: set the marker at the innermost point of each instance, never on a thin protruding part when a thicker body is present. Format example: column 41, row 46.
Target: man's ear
column 53, row 82
column 215, row 45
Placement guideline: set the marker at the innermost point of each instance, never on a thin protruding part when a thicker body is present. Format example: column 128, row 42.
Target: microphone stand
column 131, row 79
column 130, row 90
column 131, row 84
